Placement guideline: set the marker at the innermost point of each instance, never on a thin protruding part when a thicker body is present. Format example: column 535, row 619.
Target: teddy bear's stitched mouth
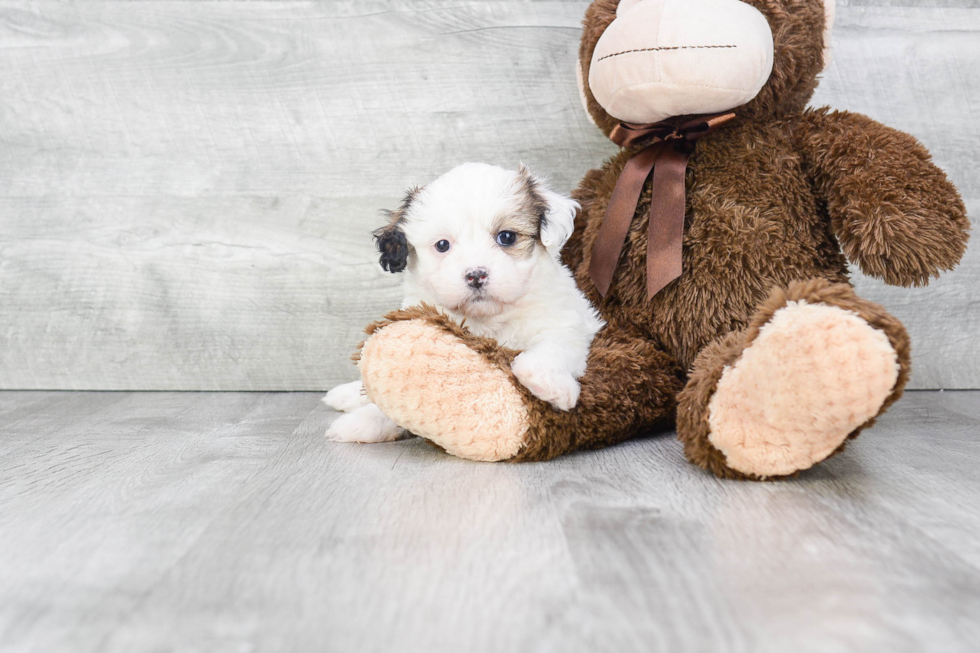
column 674, row 47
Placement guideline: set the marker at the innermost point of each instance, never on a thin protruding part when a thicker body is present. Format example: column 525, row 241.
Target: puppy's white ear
column 557, row 214
column 559, row 221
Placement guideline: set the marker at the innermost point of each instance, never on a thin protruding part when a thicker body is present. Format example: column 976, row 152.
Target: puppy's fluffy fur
column 482, row 244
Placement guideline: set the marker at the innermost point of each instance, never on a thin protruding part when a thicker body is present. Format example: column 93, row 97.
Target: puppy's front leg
column 364, row 424
column 542, row 369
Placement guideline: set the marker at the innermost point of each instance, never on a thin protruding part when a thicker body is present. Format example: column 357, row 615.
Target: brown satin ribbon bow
column 669, row 144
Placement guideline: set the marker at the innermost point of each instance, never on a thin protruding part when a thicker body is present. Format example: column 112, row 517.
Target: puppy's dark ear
column 393, row 247
column 391, row 240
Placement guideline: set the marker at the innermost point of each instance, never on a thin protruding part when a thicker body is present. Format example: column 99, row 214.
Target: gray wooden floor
column 225, row 522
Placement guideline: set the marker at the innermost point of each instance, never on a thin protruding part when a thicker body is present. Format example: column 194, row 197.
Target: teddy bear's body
column 759, row 352
column 757, row 218
column 751, row 227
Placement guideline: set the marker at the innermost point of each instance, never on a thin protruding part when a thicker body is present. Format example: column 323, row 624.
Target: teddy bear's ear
column 829, row 11
column 580, row 82
column 559, row 221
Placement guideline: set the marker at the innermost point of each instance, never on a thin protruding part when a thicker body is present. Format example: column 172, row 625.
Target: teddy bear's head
column 642, row 61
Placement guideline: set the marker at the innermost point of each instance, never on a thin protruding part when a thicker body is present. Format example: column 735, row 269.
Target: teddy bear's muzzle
column 665, row 58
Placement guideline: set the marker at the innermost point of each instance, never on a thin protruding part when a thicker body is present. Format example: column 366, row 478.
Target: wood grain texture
column 225, row 522
column 189, row 188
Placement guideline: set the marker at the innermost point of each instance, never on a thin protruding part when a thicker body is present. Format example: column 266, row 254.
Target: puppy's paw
column 347, row 397
column 558, row 388
column 364, row 424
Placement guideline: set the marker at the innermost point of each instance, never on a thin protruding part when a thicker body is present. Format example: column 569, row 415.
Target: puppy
column 482, row 244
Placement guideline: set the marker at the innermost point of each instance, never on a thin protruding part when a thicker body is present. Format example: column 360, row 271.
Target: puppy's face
column 473, row 237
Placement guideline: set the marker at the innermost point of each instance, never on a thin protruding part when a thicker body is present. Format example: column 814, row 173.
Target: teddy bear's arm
column 893, row 211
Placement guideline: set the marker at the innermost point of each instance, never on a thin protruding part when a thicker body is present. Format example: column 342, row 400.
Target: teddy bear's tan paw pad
column 813, row 374
column 431, row 383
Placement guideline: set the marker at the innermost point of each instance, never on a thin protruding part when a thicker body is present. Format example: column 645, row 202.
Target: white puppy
column 482, row 244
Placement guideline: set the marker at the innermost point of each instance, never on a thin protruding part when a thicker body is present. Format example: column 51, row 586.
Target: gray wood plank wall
column 188, row 188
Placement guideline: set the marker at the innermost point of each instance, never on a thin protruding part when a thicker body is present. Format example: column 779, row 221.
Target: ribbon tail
column 619, row 214
column 665, row 233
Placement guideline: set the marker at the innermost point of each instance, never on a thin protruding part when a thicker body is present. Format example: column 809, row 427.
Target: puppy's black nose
column 476, row 277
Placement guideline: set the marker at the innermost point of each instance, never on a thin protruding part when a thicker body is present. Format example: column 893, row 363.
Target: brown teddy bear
column 722, row 276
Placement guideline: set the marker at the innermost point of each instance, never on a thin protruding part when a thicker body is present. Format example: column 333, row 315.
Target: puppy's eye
column 506, row 238
column 442, row 246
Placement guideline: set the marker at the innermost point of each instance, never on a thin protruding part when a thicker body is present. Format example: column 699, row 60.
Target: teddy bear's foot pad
column 431, row 383
column 814, row 373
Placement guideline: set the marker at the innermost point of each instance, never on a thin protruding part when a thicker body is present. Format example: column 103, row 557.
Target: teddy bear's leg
column 458, row 391
column 816, row 365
